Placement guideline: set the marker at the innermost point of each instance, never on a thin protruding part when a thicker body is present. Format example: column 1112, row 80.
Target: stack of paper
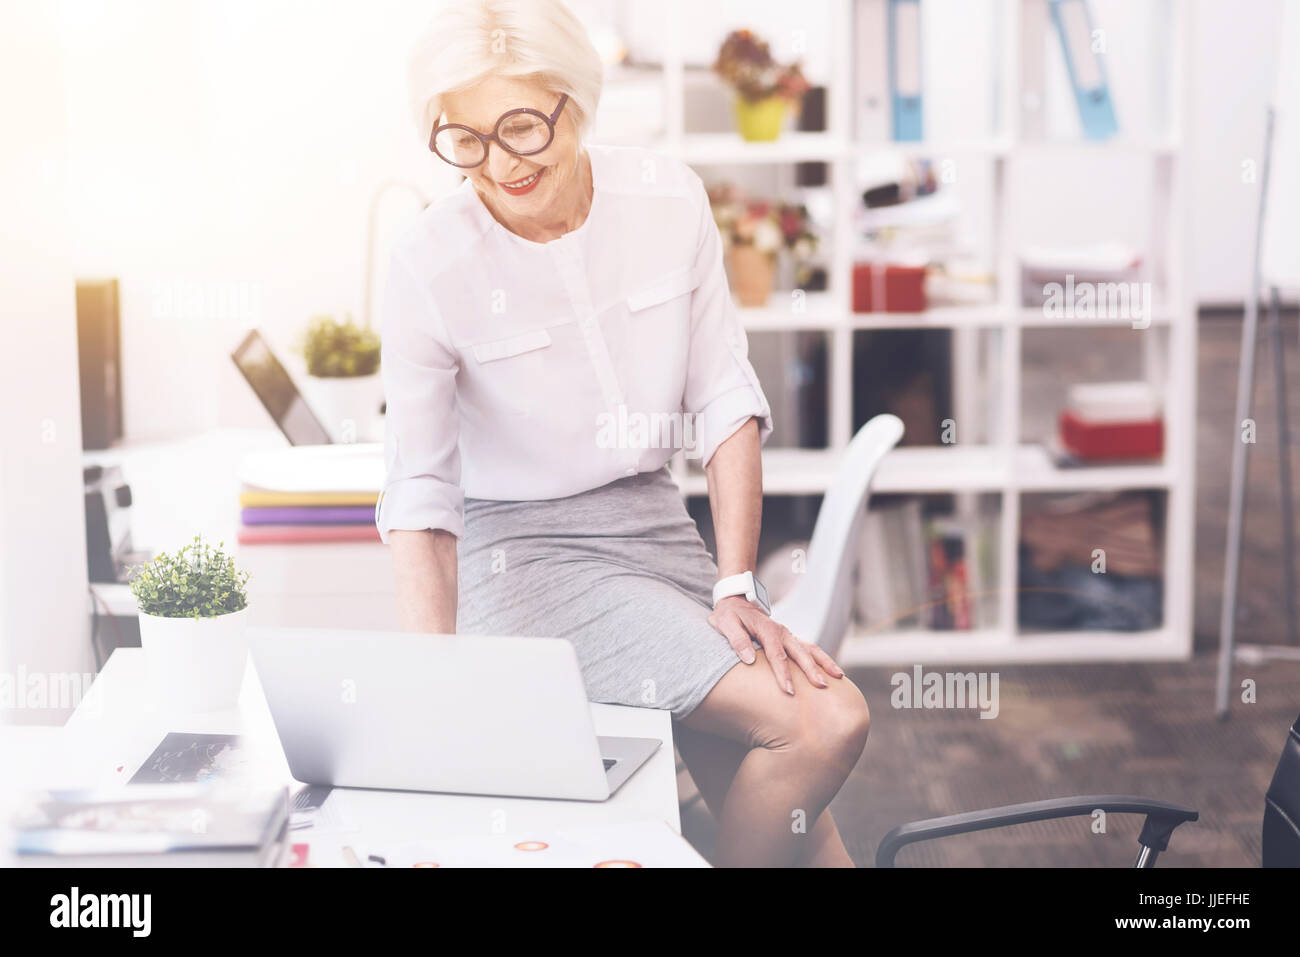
column 634, row 844
column 322, row 493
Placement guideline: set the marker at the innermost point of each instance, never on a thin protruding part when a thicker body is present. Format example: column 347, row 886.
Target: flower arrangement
column 753, row 232
column 340, row 349
column 745, row 62
column 199, row 581
column 767, row 226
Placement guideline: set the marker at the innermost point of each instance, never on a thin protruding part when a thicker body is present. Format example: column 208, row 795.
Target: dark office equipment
column 108, row 523
column 277, row 392
column 1281, row 839
column 99, row 358
column 889, row 194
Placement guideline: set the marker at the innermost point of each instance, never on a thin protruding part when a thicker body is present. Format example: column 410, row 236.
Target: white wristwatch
column 743, row 584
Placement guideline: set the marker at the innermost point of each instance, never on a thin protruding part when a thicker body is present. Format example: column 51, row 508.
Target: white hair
column 468, row 40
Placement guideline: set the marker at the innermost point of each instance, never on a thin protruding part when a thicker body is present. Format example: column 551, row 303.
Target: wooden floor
column 1145, row 729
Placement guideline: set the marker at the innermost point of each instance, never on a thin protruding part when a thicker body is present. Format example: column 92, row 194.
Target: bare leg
column 713, row 763
column 825, row 847
column 799, row 750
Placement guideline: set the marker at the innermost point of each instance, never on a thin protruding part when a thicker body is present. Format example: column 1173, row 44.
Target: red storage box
column 1112, row 441
column 901, row 287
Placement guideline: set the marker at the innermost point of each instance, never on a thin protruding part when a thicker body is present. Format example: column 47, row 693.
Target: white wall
column 224, row 154
column 43, row 621
column 1237, row 54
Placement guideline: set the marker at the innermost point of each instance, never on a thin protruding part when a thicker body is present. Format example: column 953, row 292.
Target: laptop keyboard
column 609, row 762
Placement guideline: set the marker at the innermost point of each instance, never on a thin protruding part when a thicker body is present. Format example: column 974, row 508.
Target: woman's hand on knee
column 742, row 622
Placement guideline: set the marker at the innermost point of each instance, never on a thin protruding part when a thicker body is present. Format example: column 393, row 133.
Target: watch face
column 761, row 593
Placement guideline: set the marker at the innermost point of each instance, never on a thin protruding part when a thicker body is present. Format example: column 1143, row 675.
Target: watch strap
column 742, row 584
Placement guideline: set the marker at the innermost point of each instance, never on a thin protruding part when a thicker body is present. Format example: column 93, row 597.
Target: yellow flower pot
column 760, row 120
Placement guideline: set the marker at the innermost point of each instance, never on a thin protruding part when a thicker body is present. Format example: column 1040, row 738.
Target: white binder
column 871, row 71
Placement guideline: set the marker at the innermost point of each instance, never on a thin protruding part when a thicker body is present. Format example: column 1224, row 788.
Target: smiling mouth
column 520, row 186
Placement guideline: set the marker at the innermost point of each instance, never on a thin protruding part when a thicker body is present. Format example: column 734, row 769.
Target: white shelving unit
column 1005, row 466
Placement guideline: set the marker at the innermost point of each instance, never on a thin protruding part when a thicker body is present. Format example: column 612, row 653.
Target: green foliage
column 340, row 349
column 199, row 581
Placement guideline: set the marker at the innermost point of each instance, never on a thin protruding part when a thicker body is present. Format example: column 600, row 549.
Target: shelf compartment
column 1091, row 564
column 928, row 563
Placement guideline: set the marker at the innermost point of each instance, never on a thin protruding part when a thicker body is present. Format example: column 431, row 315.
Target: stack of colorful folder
column 273, row 517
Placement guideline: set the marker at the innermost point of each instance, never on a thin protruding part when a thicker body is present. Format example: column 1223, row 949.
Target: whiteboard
column 1280, row 261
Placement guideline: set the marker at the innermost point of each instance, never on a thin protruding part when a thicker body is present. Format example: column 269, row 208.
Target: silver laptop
column 457, row 713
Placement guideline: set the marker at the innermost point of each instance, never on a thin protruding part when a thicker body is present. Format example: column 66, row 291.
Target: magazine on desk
column 154, row 825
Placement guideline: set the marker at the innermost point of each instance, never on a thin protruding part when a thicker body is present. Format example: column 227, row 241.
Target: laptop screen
column 277, row 391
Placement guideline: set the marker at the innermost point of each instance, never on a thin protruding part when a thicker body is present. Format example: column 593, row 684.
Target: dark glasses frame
column 493, row 137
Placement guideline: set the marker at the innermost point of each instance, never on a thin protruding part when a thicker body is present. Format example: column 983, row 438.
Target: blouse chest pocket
column 673, row 287
column 517, row 344
column 508, row 370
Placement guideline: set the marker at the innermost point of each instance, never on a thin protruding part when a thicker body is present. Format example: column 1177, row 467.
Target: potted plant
column 765, row 89
column 343, row 365
column 193, row 614
column 754, row 232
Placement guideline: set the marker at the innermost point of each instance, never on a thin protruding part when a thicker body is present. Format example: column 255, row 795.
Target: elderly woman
column 535, row 320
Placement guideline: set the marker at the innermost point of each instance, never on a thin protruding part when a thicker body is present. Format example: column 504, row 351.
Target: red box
column 901, row 287
column 1112, row 441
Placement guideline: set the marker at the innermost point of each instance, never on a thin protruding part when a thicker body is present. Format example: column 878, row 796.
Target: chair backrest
column 1281, row 838
column 821, row 604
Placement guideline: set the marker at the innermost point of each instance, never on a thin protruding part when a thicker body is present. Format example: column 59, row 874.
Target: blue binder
column 904, row 28
column 1073, row 19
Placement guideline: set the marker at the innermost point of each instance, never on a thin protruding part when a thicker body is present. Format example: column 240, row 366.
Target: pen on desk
column 350, row 856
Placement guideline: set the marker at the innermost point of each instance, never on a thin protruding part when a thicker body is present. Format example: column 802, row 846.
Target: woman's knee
column 830, row 725
column 843, row 723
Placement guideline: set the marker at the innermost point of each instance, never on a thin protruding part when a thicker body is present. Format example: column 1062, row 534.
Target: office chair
column 1281, row 838
column 819, row 608
column 1281, row 830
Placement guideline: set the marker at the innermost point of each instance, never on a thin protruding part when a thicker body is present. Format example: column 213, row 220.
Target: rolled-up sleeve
column 722, row 390
column 422, row 459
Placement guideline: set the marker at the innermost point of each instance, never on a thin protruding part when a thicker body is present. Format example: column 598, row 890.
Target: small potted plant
column 345, row 391
column 193, row 614
column 765, row 90
column 754, row 232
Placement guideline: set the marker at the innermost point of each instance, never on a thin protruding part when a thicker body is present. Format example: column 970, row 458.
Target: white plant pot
column 195, row 664
column 348, row 407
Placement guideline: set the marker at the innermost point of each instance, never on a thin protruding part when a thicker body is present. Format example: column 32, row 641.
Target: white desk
column 190, row 487
column 116, row 727
column 186, row 487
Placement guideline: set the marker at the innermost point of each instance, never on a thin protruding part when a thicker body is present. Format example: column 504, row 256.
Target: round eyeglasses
column 522, row 132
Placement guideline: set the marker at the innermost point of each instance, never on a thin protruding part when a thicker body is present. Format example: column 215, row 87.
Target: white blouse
column 521, row 370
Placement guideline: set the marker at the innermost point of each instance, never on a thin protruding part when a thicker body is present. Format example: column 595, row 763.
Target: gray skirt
column 619, row 571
